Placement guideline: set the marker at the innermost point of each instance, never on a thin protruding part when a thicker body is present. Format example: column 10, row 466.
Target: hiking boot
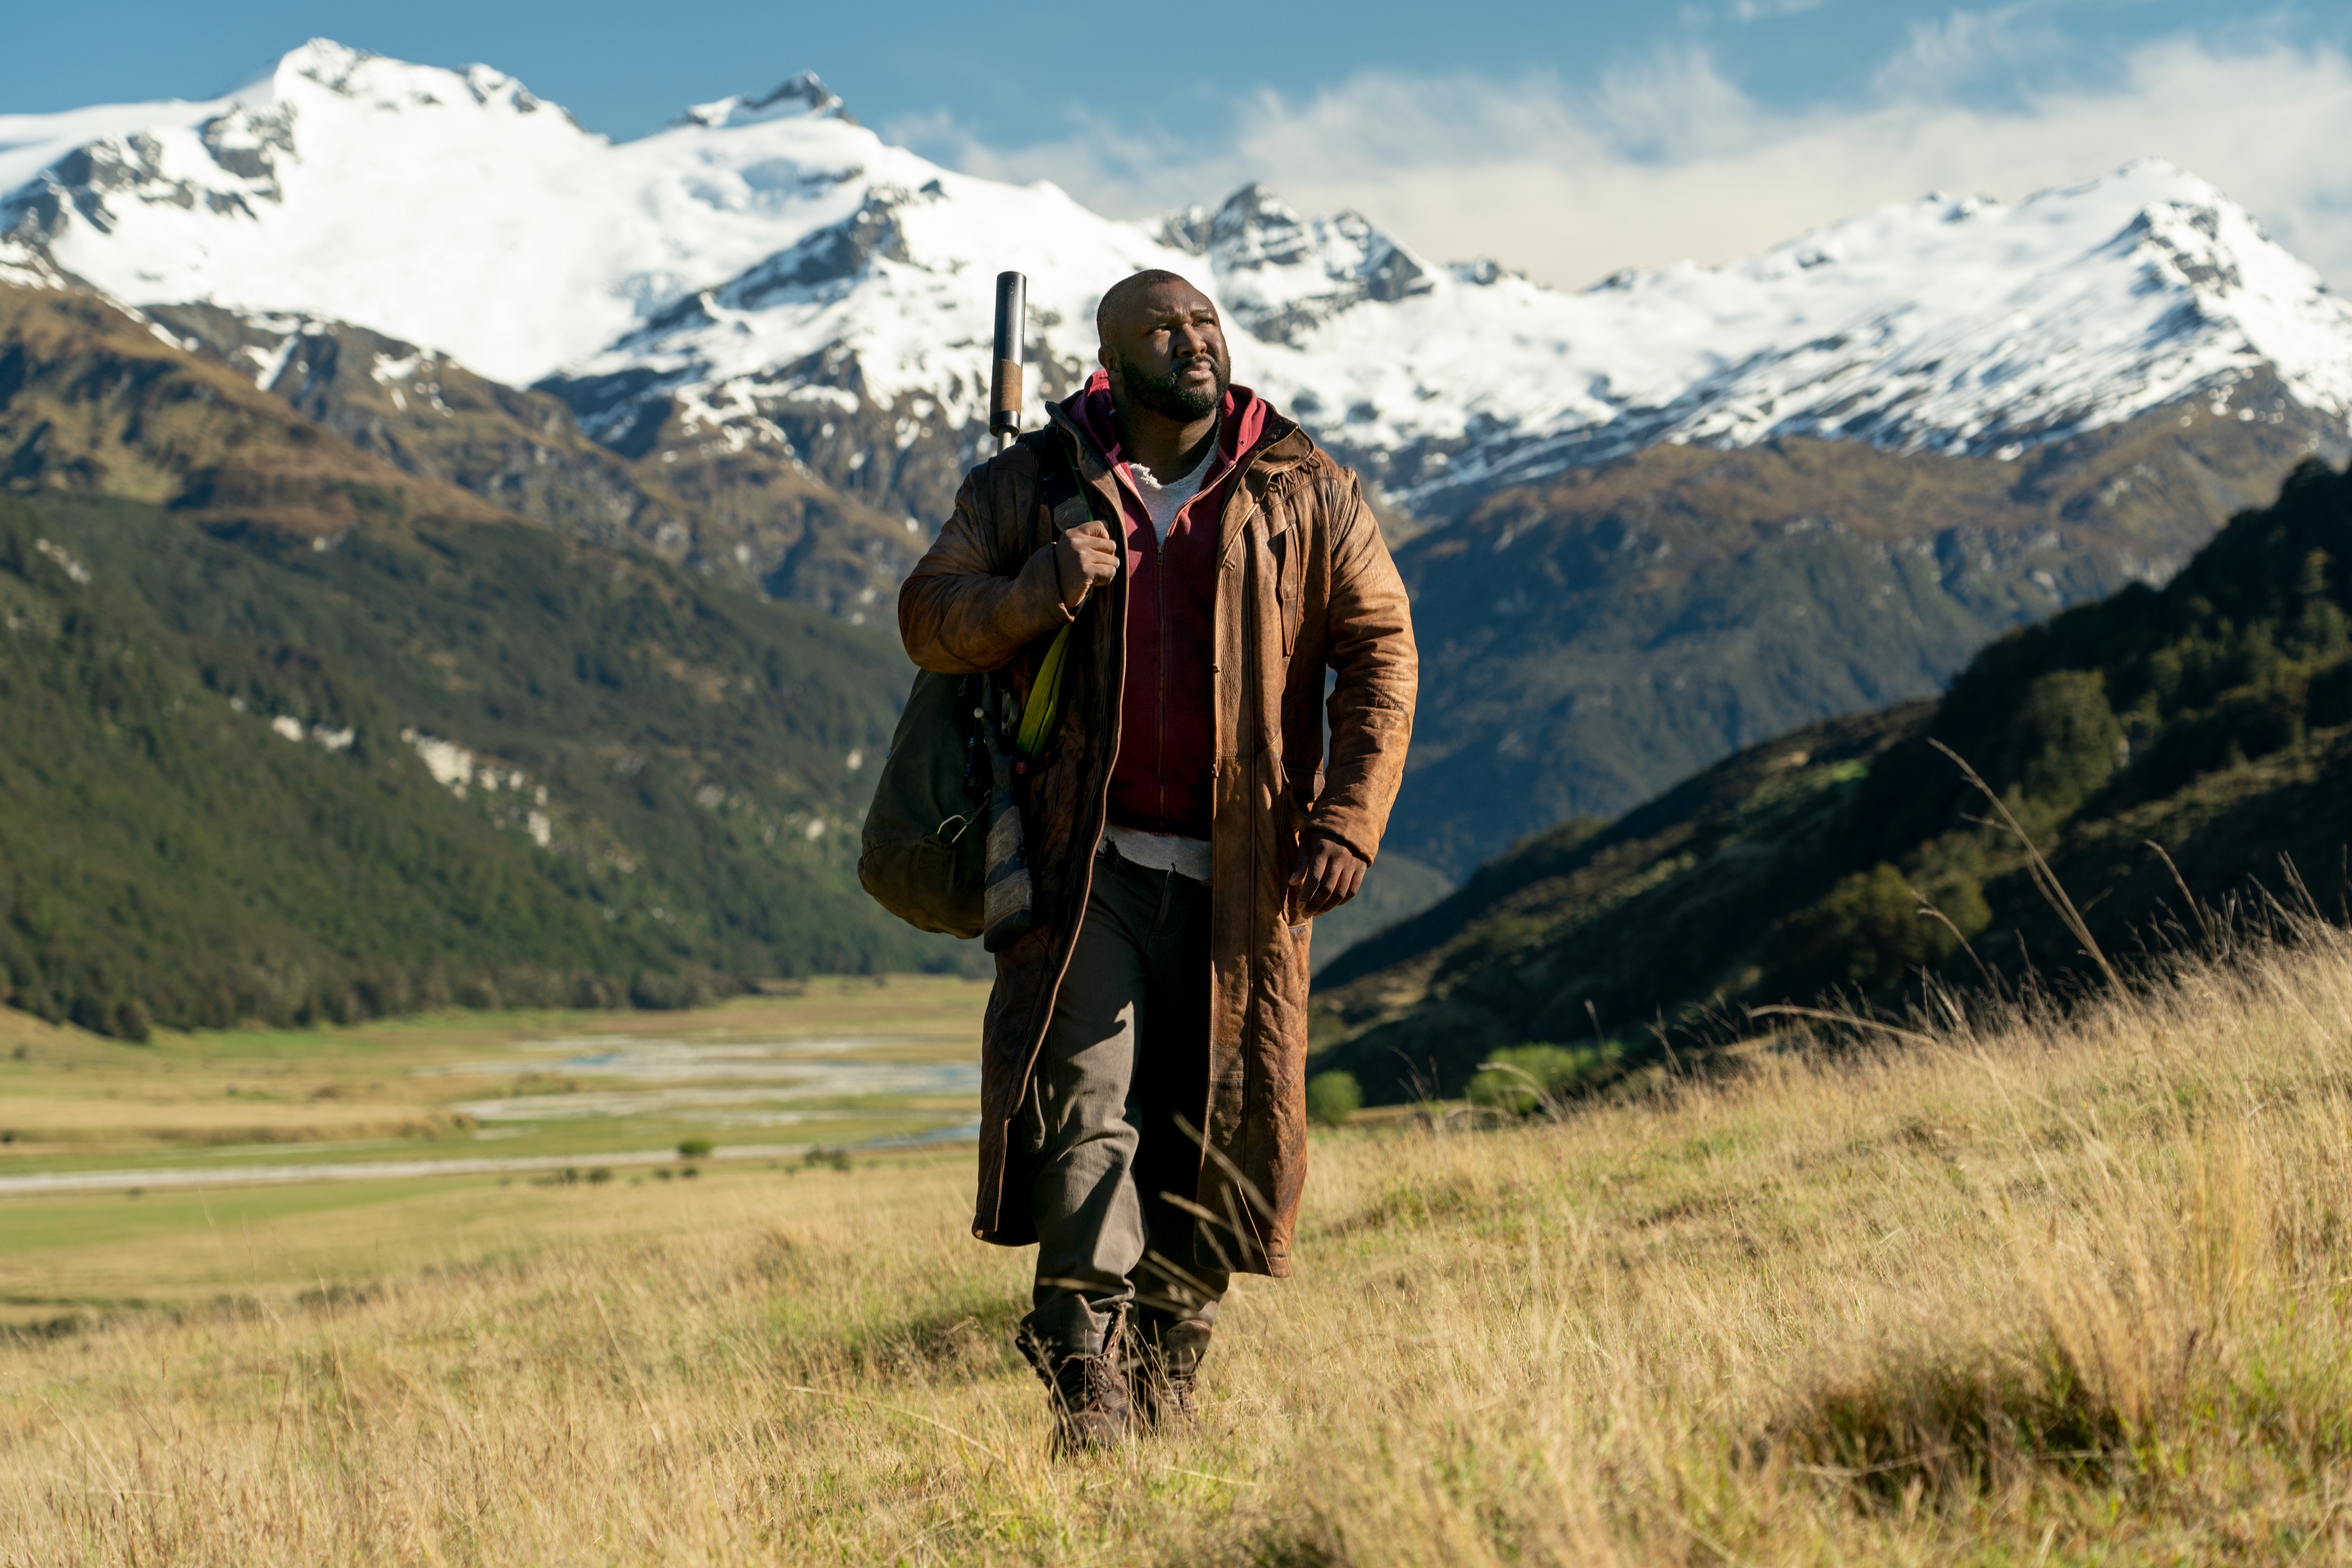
column 1163, row 1375
column 1088, row 1392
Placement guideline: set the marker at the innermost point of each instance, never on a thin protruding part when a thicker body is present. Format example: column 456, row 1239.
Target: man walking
column 1143, row 1060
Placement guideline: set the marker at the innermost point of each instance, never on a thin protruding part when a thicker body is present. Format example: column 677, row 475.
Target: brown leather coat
column 1304, row 581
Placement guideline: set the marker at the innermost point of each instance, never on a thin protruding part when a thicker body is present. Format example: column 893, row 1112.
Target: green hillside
column 1588, row 640
column 2211, row 718
column 292, row 733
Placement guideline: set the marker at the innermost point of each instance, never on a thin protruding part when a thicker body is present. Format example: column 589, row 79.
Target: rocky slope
column 95, row 400
column 747, row 516
column 1588, row 640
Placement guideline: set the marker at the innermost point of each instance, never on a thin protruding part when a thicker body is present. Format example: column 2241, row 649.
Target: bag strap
column 1069, row 503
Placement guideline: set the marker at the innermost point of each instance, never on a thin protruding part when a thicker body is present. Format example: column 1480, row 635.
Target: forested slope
column 293, row 733
column 2211, row 718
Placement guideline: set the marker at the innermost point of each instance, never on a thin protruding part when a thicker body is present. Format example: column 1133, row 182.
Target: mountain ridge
column 781, row 278
column 1596, row 637
column 772, row 527
column 754, row 343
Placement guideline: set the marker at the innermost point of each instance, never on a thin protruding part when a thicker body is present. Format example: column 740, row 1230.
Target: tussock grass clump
column 2030, row 1290
column 1930, row 1421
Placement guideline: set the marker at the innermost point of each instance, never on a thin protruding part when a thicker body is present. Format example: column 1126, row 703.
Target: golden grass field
column 2052, row 1291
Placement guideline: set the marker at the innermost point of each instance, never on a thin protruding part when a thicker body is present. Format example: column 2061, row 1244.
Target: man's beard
column 1165, row 396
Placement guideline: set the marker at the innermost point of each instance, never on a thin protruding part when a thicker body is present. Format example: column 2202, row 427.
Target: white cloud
column 1671, row 161
column 1765, row 10
column 1945, row 54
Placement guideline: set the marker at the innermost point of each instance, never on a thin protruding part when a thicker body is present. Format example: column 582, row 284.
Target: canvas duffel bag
column 923, row 852
column 942, row 831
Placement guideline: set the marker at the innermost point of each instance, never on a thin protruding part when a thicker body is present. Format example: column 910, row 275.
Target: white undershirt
column 1162, row 851
column 1163, row 501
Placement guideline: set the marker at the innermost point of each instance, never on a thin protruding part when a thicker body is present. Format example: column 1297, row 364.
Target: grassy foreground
column 2057, row 1292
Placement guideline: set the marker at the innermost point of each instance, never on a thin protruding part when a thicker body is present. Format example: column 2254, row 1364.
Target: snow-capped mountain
column 458, row 212
column 764, row 271
column 1955, row 326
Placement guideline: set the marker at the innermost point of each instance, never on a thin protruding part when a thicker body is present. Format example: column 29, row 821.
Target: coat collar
column 1280, row 446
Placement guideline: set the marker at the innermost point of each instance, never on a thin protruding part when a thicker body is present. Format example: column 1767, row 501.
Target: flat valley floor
column 141, row 1175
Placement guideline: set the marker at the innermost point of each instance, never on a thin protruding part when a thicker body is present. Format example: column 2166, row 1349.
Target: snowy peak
column 881, row 303
column 1959, row 326
column 225, row 156
column 1280, row 275
column 333, row 66
column 453, row 209
column 765, row 270
column 797, row 98
column 385, row 84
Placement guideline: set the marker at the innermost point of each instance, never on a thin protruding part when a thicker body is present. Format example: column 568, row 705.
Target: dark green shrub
column 2331, row 695
column 132, row 1023
column 694, row 1148
column 657, row 992
column 2063, row 742
column 1870, row 931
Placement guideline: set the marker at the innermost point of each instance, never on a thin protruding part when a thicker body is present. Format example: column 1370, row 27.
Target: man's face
column 1167, row 353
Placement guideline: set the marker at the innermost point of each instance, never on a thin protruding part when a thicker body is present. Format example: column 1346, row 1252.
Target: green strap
column 1045, row 705
column 1065, row 499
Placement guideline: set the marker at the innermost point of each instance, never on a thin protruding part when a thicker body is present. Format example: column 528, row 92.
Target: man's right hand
column 1084, row 558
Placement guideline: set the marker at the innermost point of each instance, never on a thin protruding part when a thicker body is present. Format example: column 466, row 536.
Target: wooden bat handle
column 1005, row 394
column 1005, row 374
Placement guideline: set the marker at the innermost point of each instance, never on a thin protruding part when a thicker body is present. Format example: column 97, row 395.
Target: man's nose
column 1190, row 341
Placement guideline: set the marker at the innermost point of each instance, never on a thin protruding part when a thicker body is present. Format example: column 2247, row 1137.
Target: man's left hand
column 1329, row 875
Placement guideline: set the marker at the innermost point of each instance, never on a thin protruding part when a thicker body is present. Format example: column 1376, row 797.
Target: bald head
column 1163, row 346
column 1139, row 292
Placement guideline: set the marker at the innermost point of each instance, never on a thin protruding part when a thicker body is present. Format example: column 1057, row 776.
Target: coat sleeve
column 958, row 617
column 1370, row 646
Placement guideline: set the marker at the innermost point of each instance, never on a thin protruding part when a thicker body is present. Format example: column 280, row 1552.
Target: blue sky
column 1568, row 139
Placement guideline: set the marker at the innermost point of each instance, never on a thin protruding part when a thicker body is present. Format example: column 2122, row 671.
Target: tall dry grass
column 2048, row 1289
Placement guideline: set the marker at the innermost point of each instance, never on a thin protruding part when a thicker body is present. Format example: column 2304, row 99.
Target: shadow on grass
column 966, row 1342
column 1949, row 1425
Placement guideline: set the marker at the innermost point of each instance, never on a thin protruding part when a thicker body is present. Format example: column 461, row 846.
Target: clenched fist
column 1084, row 558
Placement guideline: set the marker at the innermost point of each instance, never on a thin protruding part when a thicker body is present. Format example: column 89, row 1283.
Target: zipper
column 1160, row 691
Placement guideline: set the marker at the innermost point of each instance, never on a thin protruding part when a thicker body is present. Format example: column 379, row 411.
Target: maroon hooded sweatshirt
column 1167, row 730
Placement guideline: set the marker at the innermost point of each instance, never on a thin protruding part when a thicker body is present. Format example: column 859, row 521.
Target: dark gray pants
column 1126, row 1057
